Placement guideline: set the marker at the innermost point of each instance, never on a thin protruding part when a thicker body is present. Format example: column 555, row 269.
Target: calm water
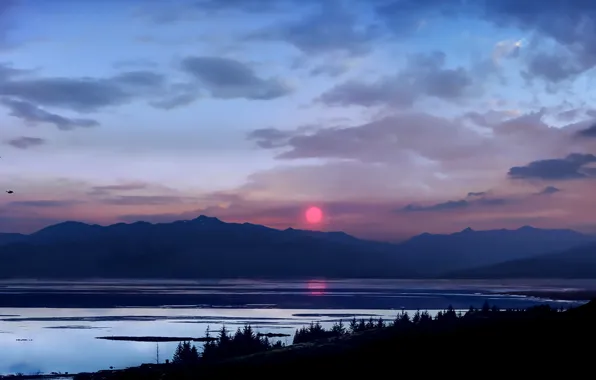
column 62, row 339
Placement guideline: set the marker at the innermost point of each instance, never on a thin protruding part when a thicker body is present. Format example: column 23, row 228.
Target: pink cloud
column 363, row 177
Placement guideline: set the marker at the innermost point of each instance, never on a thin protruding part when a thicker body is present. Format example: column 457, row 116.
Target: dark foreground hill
column 206, row 247
column 532, row 343
column 578, row 262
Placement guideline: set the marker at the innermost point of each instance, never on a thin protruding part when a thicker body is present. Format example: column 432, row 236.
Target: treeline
column 420, row 320
column 246, row 341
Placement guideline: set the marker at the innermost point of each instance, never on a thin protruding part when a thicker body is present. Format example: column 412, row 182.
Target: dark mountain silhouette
column 204, row 247
column 207, row 247
column 578, row 262
column 11, row 238
column 439, row 254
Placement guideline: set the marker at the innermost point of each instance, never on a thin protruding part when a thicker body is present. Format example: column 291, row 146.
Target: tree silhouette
column 485, row 308
column 338, row 329
column 246, row 340
column 185, row 354
column 353, row 325
column 416, row 317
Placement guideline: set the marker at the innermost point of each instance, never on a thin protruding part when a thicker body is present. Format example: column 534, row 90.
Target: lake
column 52, row 326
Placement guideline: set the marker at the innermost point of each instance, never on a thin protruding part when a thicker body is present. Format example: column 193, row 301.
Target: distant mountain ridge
column 468, row 248
column 206, row 247
column 575, row 263
column 7, row 238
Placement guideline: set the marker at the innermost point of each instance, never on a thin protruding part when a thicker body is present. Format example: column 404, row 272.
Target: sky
column 394, row 117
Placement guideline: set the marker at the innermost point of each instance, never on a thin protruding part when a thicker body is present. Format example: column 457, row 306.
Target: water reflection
column 55, row 346
column 316, row 287
column 330, row 294
column 63, row 339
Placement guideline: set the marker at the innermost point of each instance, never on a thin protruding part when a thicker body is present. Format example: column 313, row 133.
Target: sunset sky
column 394, row 117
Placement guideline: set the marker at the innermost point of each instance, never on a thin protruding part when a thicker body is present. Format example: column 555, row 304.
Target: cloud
column 80, row 94
column 552, row 66
column 381, row 92
column 8, row 71
column 24, row 142
column 44, row 203
column 588, row 132
column 329, row 29
column 227, row 79
column 322, row 27
column 342, row 180
column 137, row 81
column 570, row 115
column 32, row 114
column 108, row 189
column 457, row 205
column 506, row 49
column 549, row 190
column 397, row 138
column 396, row 158
column 124, row 186
column 77, row 94
column 404, row 17
column 38, row 202
column 331, row 69
column 377, row 218
column 173, row 12
column 449, row 205
column 571, row 167
column 438, row 150
column 179, row 94
column 137, row 193
column 242, row 5
column 424, row 75
column 372, row 219
column 409, row 155
column 136, row 200
column 278, row 198
column 573, row 54
column 268, row 138
column 574, row 31
column 493, row 201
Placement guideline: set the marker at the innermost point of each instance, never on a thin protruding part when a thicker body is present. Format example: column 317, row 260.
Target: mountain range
column 439, row 254
column 578, row 262
column 206, row 247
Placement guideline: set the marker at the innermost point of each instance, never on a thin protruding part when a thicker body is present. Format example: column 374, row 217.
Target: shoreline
column 320, row 299
column 376, row 350
column 557, row 295
column 302, row 302
column 575, row 295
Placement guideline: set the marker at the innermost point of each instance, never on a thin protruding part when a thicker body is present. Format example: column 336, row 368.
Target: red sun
column 314, row 215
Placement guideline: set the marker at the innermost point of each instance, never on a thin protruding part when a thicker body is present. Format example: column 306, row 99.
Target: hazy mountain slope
column 467, row 249
column 579, row 262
